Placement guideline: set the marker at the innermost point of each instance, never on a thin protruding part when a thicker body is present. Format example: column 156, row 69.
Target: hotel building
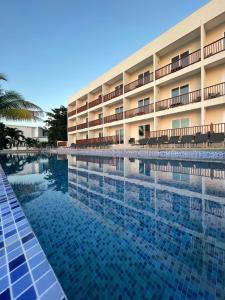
column 175, row 81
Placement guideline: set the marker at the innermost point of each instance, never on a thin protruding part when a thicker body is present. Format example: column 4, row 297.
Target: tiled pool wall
column 146, row 153
column 25, row 272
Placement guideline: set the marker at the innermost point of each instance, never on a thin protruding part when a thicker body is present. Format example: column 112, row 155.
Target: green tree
column 4, row 140
column 14, row 106
column 16, row 137
column 29, row 142
column 57, row 123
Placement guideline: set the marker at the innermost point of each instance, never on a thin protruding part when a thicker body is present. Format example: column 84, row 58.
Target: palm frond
column 19, row 114
column 3, row 77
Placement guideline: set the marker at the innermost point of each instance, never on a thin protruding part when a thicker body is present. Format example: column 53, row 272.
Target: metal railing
column 139, row 82
column 113, row 94
column 61, row 143
column 95, row 122
column 188, row 60
column 180, row 100
column 191, row 130
column 93, row 141
column 95, row 102
column 214, row 91
column 82, row 126
column 72, row 128
column 82, row 108
column 214, row 48
column 72, row 113
column 138, row 111
column 113, row 118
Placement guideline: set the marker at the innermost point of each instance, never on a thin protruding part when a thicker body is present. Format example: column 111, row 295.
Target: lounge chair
column 201, row 138
column 152, row 141
column 174, row 140
column 187, row 139
column 216, row 138
column 162, row 140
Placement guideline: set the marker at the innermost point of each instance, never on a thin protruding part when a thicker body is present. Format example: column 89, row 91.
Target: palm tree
column 13, row 106
column 16, row 136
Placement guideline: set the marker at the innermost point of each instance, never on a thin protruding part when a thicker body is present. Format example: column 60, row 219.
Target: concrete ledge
column 191, row 154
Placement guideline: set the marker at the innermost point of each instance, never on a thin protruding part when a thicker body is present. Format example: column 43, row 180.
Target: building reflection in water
column 174, row 209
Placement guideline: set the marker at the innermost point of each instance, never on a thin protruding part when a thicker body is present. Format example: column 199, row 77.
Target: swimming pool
column 123, row 228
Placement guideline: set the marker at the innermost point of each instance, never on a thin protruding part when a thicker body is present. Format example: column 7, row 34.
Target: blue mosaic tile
column 16, row 278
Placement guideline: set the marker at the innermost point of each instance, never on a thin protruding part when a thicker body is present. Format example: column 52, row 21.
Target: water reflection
column 174, row 209
column 120, row 228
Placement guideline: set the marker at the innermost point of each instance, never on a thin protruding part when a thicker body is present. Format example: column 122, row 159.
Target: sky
column 52, row 48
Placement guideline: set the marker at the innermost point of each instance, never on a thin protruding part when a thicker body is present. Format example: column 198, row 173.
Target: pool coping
column 190, row 154
column 25, row 272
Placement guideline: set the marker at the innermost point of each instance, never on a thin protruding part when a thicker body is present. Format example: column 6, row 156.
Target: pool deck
column 25, row 272
column 188, row 154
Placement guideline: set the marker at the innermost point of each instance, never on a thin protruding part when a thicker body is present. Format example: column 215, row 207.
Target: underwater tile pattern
column 24, row 270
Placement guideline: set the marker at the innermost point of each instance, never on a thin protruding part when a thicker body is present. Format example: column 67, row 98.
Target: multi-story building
column 175, row 81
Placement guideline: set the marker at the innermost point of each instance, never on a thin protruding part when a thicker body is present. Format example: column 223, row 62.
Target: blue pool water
column 120, row 228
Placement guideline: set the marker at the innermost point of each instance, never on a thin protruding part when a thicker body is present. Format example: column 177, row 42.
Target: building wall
column 201, row 28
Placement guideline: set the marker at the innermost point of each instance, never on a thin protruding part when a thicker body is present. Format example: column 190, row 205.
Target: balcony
column 214, row 48
column 72, row 113
column 139, row 111
column 113, row 94
column 82, row 108
column 138, row 83
column 95, row 122
column 184, row 62
column 95, row 102
column 180, row 100
column 113, row 118
column 82, row 126
column 97, row 141
column 214, row 91
column 72, row 128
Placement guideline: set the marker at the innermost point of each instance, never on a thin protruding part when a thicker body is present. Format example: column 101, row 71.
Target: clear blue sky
column 52, row 48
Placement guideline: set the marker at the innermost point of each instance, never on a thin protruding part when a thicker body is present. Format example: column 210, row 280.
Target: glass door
column 119, row 136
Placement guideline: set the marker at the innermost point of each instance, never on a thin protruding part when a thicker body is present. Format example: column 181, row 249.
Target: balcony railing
column 72, row 113
column 214, row 91
column 93, row 141
column 82, row 126
column 179, row 64
column 82, row 108
column 72, row 128
column 61, row 143
column 95, row 122
column 180, row 100
column 113, row 94
column 137, row 83
column 139, row 111
column 191, row 130
column 113, row 118
column 215, row 47
column 95, row 102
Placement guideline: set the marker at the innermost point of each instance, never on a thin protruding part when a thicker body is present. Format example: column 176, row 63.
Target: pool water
column 123, row 228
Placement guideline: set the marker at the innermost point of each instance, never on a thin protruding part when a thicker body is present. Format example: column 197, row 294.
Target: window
column 143, row 102
column 144, row 131
column 143, row 78
column 177, row 93
column 180, row 123
column 118, row 87
column 119, row 110
column 100, row 116
column 100, row 134
column 184, row 89
column 119, row 136
column 180, row 61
